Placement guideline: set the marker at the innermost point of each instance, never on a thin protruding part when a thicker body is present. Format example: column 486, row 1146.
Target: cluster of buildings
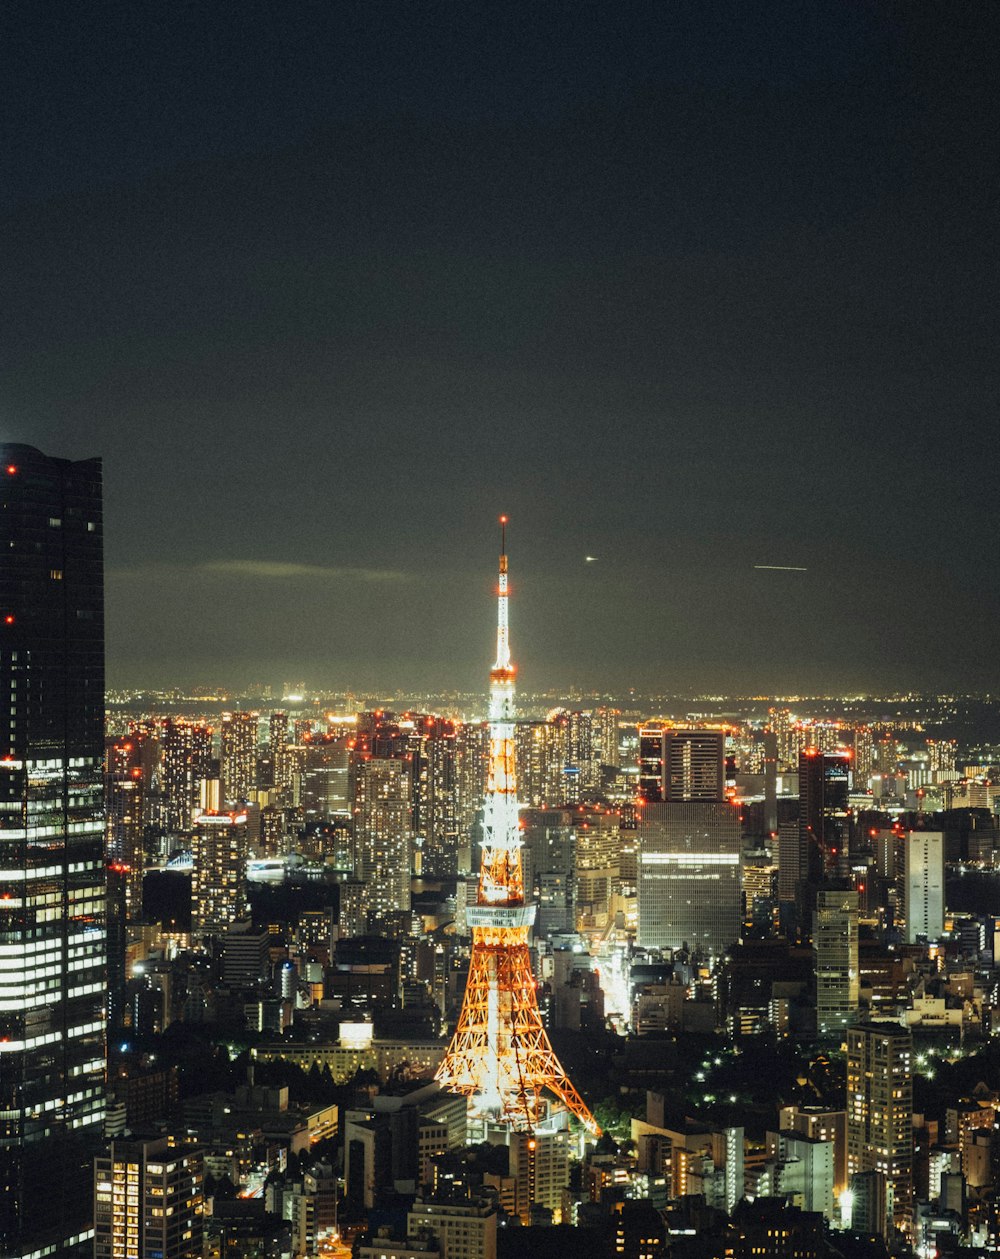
column 399, row 912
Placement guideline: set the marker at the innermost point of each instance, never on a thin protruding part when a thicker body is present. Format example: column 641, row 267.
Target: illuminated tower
column 500, row 1055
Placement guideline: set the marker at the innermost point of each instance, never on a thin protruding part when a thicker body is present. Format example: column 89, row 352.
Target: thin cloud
column 262, row 570
column 270, row 569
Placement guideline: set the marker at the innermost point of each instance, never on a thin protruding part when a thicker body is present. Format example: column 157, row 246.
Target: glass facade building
column 689, row 889
column 52, row 870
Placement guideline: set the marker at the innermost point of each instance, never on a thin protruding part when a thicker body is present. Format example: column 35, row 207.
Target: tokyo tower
column 500, row 1055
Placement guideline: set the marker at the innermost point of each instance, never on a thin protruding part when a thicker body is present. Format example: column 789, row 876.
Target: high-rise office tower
column 681, row 765
column 239, row 756
column 824, row 811
column 324, row 779
column 52, row 875
column 880, row 1111
column 924, row 885
column 148, row 1201
column 549, row 857
column 694, row 765
column 651, row 763
column 383, row 834
column 835, row 939
column 186, row 763
column 220, row 846
column 689, row 889
column 599, row 859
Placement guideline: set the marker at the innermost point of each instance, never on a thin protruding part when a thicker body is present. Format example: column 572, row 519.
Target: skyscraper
column 219, row 849
column 186, row 764
column 239, row 756
column 324, row 780
column 383, row 834
column 52, row 876
column 824, row 812
column 689, row 889
column 606, row 737
column 682, row 765
column 880, row 1111
column 125, row 806
column 431, row 745
column 281, row 762
column 694, row 765
column 835, row 937
column 549, row 855
column 924, row 885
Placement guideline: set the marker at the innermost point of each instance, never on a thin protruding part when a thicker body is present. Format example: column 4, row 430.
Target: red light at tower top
column 12, row 469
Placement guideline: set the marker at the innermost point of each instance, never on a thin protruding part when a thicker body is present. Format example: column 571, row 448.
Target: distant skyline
column 700, row 295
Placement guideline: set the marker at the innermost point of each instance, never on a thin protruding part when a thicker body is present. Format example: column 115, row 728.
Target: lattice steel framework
column 500, row 1055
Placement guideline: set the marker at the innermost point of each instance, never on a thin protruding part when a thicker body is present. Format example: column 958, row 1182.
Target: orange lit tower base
column 500, row 1055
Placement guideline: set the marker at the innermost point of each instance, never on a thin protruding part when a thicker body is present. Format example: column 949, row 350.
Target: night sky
column 686, row 287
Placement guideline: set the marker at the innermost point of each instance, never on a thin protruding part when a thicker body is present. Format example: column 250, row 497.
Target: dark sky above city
column 687, row 287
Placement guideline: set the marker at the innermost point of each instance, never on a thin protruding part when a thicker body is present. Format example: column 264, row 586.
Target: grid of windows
column 689, row 876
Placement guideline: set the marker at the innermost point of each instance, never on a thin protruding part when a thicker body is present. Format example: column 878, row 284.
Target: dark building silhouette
column 824, row 811
column 52, row 871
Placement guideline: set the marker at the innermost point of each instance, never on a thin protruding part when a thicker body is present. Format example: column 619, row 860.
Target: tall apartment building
column 580, row 752
column 471, row 748
column 238, row 764
column 220, row 846
column 185, row 764
column 540, row 749
column 607, row 749
column 281, row 763
column 52, row 869
column 148, row 1202
column 432, row 746
column 125, row 803
column 835, row 940
column 383, row 833
column 880, row 1112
